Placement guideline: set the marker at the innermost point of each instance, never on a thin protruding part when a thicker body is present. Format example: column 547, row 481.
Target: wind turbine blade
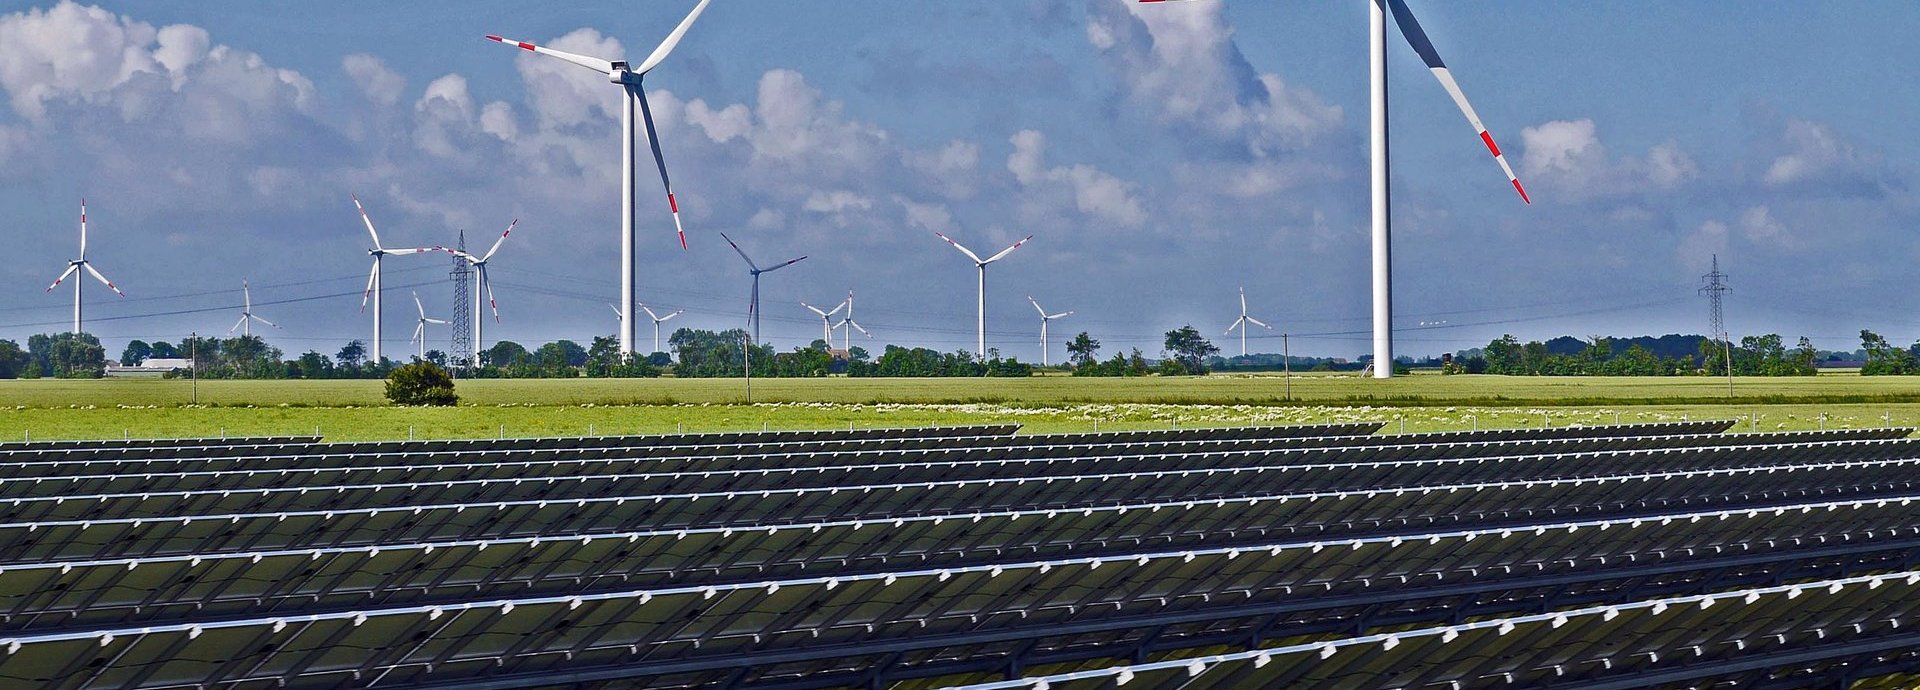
column 237, row 324
column 789, row 262
column 742, row 253
column 1062, row 315
column 103, row 280
column 371, row 277
column 617, row 312
column 643, row 307
column 1036, row 307
column 261, row 320
column 438, row 321
column 1243, row 301
column 675, row 313
column 653, row 141
column 814, row 309
column 1259, row 323
column 83, row 229
column 1236, row 324
column 491, row 304
column 415, row 250
column 962, row 248
column 1417, row 37
column 368, row 221
column 417, row 305
column 856, row 326
column 673, row 39
column 592, row 63
column 418, row 330
column 501, row 241
column 1008, row 250
column 836, row 309
column 63, row 276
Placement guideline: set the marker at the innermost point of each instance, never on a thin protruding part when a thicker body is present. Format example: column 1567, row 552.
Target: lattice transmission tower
column 1714, row 286
column 461, row 354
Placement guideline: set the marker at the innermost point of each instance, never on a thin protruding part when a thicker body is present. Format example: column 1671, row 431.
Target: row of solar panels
column 830, row 576
column 930, row 620
column 779, row 497
column 952, row 440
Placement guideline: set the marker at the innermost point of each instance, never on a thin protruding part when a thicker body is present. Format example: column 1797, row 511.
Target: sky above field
column 1162, row 156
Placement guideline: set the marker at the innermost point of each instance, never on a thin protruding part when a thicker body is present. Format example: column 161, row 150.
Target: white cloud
column 1815, row 159
column 1094, row 193
column 1567, row 159
column 379, row 83
column 1697, row 249
column 1758, row 223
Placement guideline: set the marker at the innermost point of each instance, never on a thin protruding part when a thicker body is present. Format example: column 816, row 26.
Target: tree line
column 1754, row 355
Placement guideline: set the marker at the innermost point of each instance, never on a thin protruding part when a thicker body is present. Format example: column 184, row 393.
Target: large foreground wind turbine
column 630, row 79
column 483, row 286
column 373, row 279
column 78, row 265
column 848, row 326
column 247, row 316
column 981, row 317
column 420, row 328
column 1377, row 11
column 657, row 320
column 1044, row 319
column 826, row 319
column 753, row 305
column 1241, row 323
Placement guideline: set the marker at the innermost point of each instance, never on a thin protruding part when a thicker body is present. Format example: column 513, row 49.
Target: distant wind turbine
column 981, row 318
column 847, row 326
column 484, row 286
column 1377, row 11
column 247, row 316
column 630, row 78
column 1044, row 319
column 826, row 319
column 373, row 279
column 753, row 305
column 1241, row 323
column 78, row 265
column 420, row 329
column 657, row 320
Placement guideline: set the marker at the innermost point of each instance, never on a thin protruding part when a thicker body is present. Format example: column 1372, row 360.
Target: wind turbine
column 79, row 264
column 246, row 313
column 1044, row 318
column 753, row 306
column 848, row 325
column 981, row 320
column 373, row 279
column 630, row 79
column 483, row 286
column 657, row 320
column 826, row 319
column 1241, row 323
column 1377, row 11
column 420, row 329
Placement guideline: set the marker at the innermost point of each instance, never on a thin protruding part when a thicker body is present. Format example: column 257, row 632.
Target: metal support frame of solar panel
column 63, row 451
column 120, row 444
column 28, row 542
column 1214, row 573
column 342, row 497
column 323, row 455
column 931, row 464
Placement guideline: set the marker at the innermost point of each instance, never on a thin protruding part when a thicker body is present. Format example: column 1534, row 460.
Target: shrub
column 421, row 383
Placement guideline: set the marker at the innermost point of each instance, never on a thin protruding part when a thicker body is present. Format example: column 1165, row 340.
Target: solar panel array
column 1668, row 555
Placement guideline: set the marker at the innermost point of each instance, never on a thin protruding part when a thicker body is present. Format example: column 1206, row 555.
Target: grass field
column 348, row 410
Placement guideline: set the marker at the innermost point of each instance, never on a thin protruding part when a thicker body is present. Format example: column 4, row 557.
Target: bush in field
column 421, row 383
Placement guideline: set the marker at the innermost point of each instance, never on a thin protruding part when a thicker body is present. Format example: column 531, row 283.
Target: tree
column 1504, row 357
column 1083, row 351
column 137, row 351
column 163, row 350
column 353, row 355
column 1189, row 349
column 312, row 365
column 1883, row 359
column 68, row 355
column 421, row 383
column 13, row 360
column 506, row 353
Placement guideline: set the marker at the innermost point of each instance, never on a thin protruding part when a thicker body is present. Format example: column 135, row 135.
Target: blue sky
column 1163, row 156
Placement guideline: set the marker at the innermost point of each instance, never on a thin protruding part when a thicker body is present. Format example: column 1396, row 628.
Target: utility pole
column 1286, row 363
column 461, row 355
column 193, row 363
column 1714, row 286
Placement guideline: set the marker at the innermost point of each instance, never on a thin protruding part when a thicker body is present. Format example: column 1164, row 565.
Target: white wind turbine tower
column 247, row 316
column 848, row 326
column 630, row 79
column 1241, row 323
column 657, row 320
column 373, row 279
column 826, row 319
column 484, row 286
column 753, row 305
column 80, row 264
column 1044, row 319
column 981, row 318
column 420, row 329
column 1377, row 11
